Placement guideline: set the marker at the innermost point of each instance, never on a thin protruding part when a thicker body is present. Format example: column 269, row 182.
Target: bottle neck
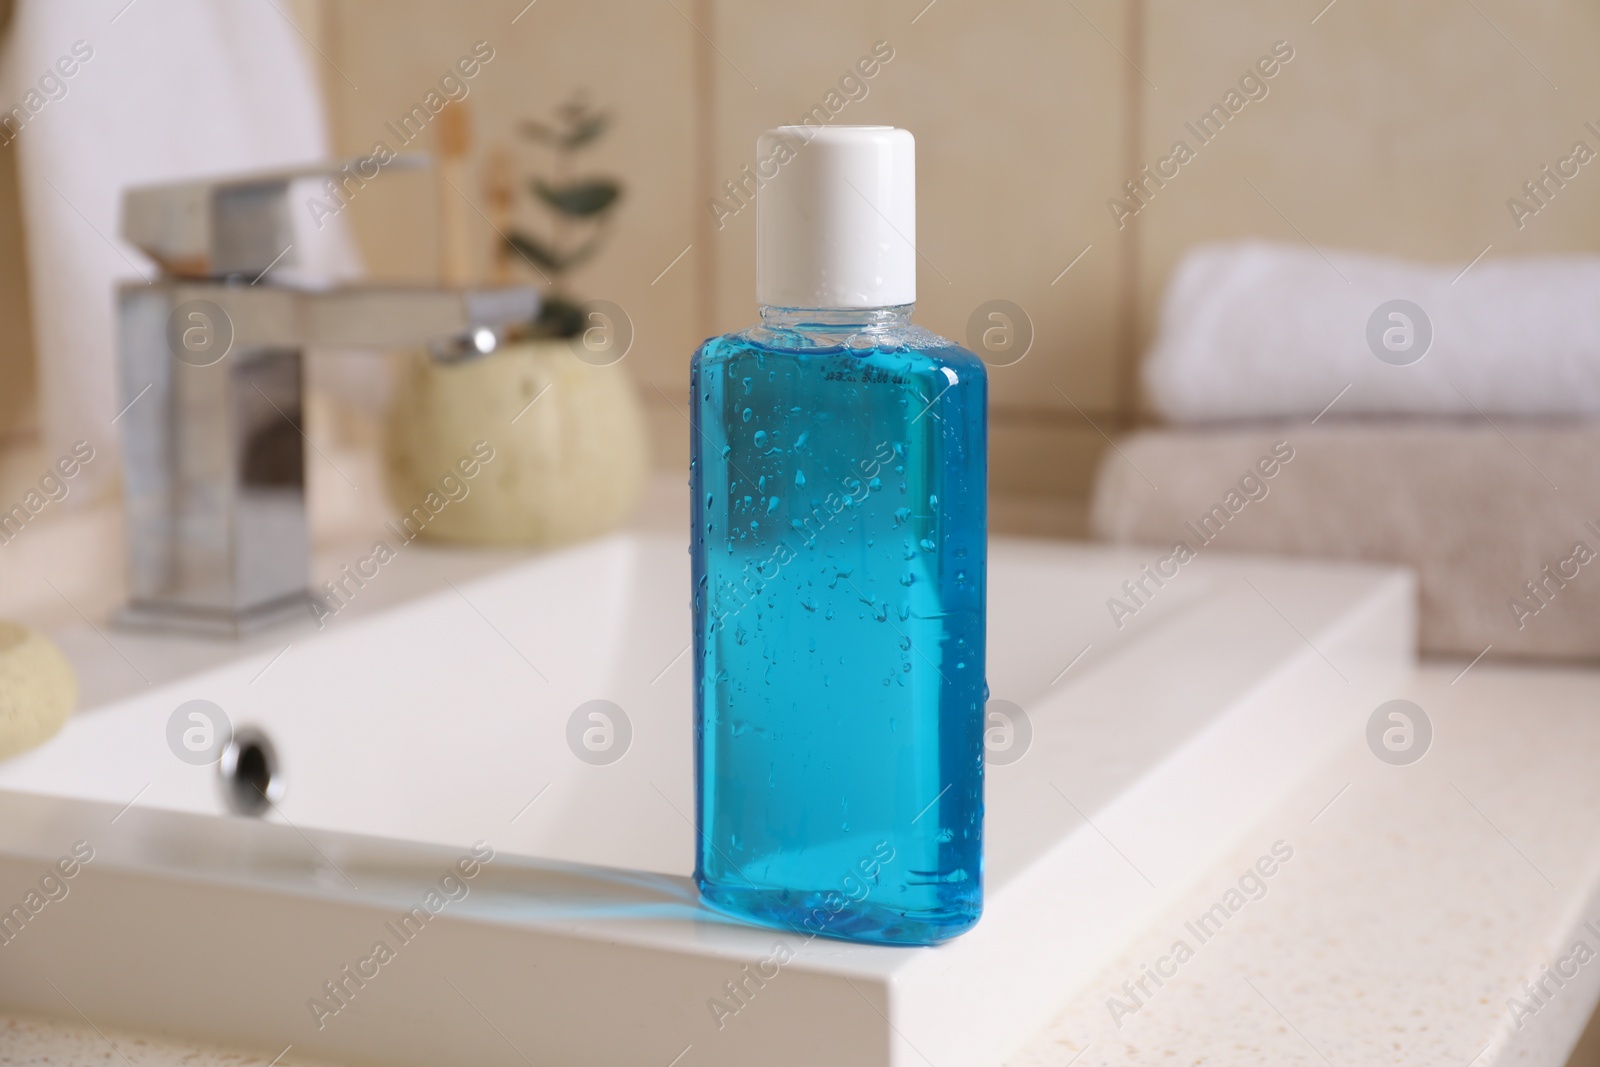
column 827, row 320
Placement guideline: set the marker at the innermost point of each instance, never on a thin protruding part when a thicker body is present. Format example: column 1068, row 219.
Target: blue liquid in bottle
column 839, row 488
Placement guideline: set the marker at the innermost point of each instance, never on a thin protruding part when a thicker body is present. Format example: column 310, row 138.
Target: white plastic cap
column 836, row 226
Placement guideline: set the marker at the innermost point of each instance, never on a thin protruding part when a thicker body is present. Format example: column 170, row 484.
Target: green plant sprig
column 580, row 211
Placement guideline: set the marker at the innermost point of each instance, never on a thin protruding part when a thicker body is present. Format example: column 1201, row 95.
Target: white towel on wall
column 170, row 89
column 1255, row 330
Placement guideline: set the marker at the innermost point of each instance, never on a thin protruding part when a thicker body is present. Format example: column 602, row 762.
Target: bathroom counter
column 29, row 1041
column 1417, row 899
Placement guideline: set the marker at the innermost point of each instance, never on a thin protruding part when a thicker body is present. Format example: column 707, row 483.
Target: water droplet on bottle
column 772, row 504
column 745, row 414
column 799, row 479
column 927, row 545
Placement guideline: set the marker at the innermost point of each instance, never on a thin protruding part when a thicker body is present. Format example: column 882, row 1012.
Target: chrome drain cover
column 252, row 779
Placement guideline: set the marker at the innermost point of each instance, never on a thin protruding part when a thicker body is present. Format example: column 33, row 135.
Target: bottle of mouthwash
column 839, row 489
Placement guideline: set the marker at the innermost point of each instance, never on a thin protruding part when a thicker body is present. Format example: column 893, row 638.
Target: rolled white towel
column 1254, row 330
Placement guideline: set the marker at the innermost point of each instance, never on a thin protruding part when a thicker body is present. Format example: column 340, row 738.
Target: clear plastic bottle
column 839, row 479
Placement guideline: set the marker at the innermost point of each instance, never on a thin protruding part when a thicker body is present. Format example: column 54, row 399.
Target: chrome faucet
column 211, row 383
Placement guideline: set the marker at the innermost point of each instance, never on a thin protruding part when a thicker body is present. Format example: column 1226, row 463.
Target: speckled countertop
column 1417, row 901
column 27, row 1041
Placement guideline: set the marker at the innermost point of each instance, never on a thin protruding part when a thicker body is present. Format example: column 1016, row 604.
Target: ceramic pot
column 526, row 446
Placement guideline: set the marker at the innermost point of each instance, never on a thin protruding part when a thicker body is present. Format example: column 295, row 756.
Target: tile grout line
column 1127, row 346
column 705, row 149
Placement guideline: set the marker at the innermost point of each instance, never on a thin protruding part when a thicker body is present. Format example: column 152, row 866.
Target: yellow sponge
column 37, row 689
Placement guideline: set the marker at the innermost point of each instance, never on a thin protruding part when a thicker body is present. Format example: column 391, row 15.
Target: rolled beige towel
column 1503, row 531
column 37, row 689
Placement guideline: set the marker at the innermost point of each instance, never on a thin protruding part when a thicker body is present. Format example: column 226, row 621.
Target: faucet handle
column 240, row 224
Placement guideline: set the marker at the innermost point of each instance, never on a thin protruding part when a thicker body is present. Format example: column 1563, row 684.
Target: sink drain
column 252, row 779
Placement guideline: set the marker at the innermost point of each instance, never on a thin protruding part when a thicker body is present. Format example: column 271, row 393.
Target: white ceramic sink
column 406, row 735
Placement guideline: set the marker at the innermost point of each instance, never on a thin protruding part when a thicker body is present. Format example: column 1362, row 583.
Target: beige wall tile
column 634, row 59
column 669, row 428
column 1020, row 121
column 1045, row 454
column 1400, row 128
